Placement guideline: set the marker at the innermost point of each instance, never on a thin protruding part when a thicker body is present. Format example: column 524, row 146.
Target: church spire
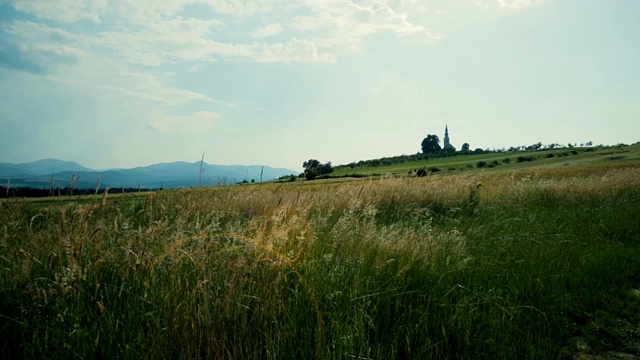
column 447, row 144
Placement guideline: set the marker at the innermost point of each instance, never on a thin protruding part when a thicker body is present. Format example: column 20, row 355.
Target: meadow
column 498, row 160
column 540, row 263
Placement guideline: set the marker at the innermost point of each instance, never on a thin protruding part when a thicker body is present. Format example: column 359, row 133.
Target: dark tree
column 431, row 144
column 311, row 164
column 465, row 147
column 325, row 168
column 313, row 168
column 536, row 146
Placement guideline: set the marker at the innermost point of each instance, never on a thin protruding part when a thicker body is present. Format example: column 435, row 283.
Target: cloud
column 157, row 41
column 12, row 57
column 36, row 48
column 347, row 25
column 152, row 33
column 241, row 8
column 294, row 50
column 67, row 11
column 146, row 86
column 268, row 31
column 517, row 4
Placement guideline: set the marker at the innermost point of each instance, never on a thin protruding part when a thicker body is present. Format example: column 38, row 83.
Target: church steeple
column 447, row 144
column 446, row 136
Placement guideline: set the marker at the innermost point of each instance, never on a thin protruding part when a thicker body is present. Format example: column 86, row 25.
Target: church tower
column 447, row 144
column 446, row 137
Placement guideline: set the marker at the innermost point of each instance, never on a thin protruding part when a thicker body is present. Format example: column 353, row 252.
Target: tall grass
column 526, row 264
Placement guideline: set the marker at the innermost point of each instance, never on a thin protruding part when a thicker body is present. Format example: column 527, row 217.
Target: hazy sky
column 130, row 83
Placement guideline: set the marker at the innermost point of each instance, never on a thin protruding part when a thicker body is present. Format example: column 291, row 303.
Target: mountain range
column 41, row 173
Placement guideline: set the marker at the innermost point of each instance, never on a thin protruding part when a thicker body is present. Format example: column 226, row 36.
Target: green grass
column 496, row 161
column 530, row 263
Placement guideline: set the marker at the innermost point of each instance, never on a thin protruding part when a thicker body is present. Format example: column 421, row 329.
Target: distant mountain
column 40, row 167
column 38, row 174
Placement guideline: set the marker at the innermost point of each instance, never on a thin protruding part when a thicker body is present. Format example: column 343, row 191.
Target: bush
column 524, row 158
column 481, row 164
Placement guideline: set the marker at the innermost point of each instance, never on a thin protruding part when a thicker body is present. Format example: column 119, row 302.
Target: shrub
column 524, row 158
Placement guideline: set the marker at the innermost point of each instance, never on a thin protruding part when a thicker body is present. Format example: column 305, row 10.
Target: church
column 447, row 145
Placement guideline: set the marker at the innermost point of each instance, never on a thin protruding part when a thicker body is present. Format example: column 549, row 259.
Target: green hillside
column 578, row 156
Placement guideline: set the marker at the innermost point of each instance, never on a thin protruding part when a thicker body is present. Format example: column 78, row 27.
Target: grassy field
column 510, row 160
column 502, row 263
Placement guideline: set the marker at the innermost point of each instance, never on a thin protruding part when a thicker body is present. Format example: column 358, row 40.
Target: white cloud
column 517, row 4
column 294, row 50
column 151, row 33
column 241, row 8
column 268, row 31
column 346, row 25
column 38, row 48
column 66, row 11
column 144, row 86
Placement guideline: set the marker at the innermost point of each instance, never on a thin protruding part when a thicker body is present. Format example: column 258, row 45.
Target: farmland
column 533, row 259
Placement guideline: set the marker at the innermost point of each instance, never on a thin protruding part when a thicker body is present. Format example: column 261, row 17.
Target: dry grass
column 483, row 265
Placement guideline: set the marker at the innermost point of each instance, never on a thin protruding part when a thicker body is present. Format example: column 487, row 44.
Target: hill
column 40, row 167
column 490, row 161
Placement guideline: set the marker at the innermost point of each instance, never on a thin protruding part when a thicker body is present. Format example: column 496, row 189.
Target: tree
column 536, row 146
column 431, row 144
column 465, row 147
column 313, row 168
column 325, row 168
column 312, row 163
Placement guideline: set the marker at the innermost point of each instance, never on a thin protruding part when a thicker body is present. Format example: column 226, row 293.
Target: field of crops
column 514, row 264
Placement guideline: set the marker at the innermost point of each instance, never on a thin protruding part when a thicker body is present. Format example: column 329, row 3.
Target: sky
column 121, row 84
